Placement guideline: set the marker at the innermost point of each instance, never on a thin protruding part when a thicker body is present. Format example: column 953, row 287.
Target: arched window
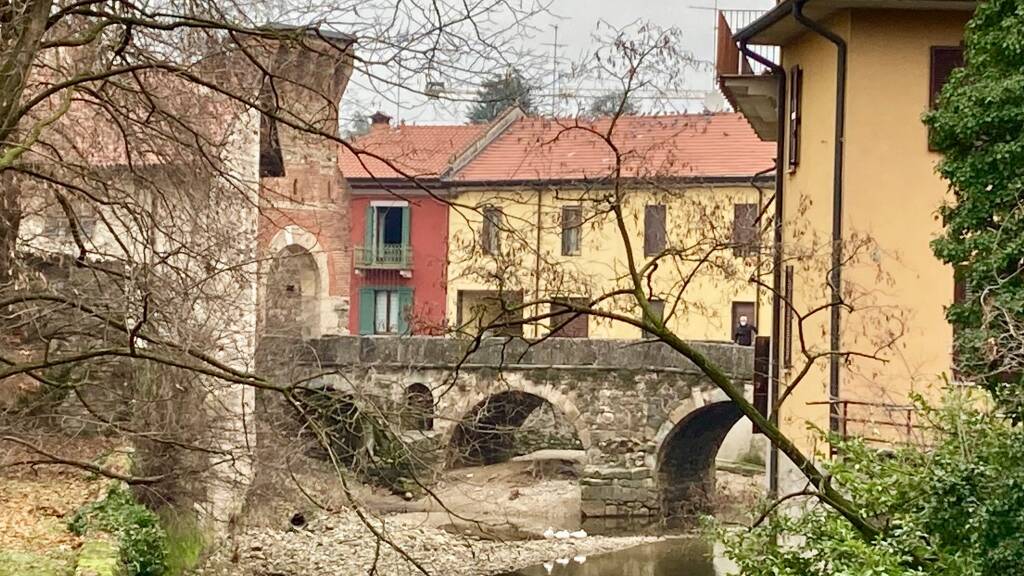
column 419, row 408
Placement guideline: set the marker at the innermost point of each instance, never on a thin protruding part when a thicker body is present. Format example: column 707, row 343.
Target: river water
column 671, row 557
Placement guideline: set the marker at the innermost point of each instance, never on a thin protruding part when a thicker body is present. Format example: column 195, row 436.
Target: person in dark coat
column 744, row 333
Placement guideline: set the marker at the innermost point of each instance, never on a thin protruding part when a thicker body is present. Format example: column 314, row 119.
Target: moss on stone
column 98, row 558
column 22, row 563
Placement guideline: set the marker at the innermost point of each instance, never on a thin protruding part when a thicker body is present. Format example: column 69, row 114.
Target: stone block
column 595, row 482
column 592, row 508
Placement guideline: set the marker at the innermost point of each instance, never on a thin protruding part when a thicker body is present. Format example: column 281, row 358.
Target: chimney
column 380, row 121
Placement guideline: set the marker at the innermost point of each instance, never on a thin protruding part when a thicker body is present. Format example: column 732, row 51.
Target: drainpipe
column 837, row 206
column 780, row 149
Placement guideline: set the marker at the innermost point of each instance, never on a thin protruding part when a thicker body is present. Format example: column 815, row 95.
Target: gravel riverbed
column 341, row 544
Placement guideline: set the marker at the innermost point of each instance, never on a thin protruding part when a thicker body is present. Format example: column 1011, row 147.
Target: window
column 658, row 310
column 568, row 324
column 654, row 229
column 744, row 229
column 419, row 408
column 787, row 344
column 796, row 88
column 384, row 310
column 944, row 59
column 490, row 232
column 572, row 228
column 387, row 234
column 743, row 333
column 271, row 159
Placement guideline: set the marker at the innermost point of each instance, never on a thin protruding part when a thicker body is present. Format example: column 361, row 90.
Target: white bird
column 579, row 559
column 562, row 535
column 549, row 566
column 579, row 534
column 549, row 533
column 562, row 561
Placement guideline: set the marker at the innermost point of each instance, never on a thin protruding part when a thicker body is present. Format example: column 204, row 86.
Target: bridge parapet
column 441, row 352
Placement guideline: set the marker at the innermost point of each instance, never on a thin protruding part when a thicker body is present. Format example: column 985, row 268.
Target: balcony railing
column 385, row 257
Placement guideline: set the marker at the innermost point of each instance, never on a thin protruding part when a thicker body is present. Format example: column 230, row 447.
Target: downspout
column 780, row 149
column 536, row 264
column 837, row 206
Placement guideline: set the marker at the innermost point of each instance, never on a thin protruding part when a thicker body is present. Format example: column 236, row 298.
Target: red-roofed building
column 531, row 220
column 452, row 223
column 399, row 216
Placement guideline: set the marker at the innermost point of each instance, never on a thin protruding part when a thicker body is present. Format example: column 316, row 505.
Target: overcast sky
column 577, row 21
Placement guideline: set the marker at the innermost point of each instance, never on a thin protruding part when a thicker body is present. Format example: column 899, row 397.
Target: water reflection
column 673, row 557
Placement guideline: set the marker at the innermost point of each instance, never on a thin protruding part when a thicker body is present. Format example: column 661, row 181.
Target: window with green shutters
column 385, row 310
column 387, row 237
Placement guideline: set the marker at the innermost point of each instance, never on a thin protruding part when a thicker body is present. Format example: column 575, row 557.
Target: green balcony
column 384, row 257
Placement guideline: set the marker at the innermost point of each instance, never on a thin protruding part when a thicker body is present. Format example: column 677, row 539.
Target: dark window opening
column 744, row 329
column 389, row 225
column 654, row 229
column 271, row 158
column 419, row 408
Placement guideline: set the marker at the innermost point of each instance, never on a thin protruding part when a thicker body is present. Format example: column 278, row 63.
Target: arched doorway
column 501, row 426
column 686, row 460
column 418, row 408
column 293, row 292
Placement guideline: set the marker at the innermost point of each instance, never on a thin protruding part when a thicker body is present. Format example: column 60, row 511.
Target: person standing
column 745, row 332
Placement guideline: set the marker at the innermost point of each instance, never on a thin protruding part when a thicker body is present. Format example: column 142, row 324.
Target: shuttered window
column 796, row 89
column 566, row 323
column 654, row 229
column 944, row 59
column 385, row 310
column 658, row 311
column 744, row 229
column 572, row 229
column 787, row 344
column 490, row 231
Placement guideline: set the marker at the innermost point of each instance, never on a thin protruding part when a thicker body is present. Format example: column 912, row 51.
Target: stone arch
column 297, row 261
column 418, row 408
column 684, row 460
column 506, row 405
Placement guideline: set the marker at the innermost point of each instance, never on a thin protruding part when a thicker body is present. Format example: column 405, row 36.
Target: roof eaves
column 768, row 19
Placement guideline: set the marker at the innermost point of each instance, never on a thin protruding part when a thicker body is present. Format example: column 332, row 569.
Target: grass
column 53, row 563
column 185, row 541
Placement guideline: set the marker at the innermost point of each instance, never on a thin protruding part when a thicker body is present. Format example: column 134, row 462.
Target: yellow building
column 861, row 296
column 534, row 218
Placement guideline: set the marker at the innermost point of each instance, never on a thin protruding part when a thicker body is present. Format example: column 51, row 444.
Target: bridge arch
column 481, row 421
column 684, row 460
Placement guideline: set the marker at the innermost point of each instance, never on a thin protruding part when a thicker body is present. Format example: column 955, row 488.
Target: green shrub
column 142, row 542
column 185, row 541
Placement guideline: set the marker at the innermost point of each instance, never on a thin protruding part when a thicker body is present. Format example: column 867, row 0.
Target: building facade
column 861, row 296
column 535, row 220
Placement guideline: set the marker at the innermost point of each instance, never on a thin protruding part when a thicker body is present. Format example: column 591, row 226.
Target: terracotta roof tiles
column 695, row 145
column 421, row 151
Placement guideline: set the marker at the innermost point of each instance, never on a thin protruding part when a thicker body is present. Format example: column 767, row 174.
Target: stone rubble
column 341, row 544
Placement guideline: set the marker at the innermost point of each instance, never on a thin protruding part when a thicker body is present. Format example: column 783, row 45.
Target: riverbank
column 341, row 543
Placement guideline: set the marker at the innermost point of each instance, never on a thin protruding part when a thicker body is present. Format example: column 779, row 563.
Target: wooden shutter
column 762, row 348
column 654, row 229
column 405, row 310
column 944, row 60
column 796, row 88
column 744, row 229
column 406, row 225
column 787, row 344
column 366, row 310
column 370, row 233
column 490, row 231
column 572, row 220
column 571, row 327
column 658, row 312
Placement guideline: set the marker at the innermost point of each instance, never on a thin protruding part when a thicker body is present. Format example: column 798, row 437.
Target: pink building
column 399, row 230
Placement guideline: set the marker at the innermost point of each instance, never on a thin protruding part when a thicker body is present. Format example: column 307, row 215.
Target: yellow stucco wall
column 896, row 287
column 697, row 217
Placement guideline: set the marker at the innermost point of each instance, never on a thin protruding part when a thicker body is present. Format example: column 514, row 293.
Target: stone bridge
column 649, row 421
